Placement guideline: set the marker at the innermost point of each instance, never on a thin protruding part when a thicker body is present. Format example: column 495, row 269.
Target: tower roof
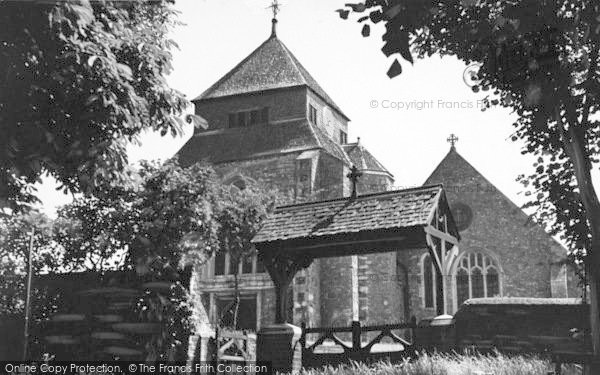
column 259, row 141
column 271, row 66
column 363, row 159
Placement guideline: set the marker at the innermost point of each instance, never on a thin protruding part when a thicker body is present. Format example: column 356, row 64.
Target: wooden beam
column 434, row 254
column 344, row 243
column 441, row 235
column 282, row 267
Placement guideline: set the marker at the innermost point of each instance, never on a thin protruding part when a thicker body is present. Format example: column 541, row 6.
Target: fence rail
column 361, row 346
column 236, row 346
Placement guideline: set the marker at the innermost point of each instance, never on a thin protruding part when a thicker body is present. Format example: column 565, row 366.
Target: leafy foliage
column 175, row 218
column 80, row 80
column 17, row 233
column 539, row 59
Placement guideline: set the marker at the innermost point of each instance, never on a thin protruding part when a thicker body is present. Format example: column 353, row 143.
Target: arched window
column 429, row 289
column 237, row 180
column 477, row 275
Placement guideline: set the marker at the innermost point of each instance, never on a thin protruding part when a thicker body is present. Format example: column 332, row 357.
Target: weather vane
column 275, row 7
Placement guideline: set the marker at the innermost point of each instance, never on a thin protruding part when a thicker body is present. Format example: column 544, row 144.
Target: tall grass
column 450, row 364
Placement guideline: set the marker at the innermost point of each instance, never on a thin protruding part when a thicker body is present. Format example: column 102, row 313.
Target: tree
column 17, row 233
column 173, row 219
column 79, row 80
column 240, row 216
column 540, row 59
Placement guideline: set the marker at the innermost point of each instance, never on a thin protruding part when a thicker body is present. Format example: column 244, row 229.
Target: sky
column 403, row 121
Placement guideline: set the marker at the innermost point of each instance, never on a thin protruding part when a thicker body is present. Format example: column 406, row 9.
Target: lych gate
column 293, row 236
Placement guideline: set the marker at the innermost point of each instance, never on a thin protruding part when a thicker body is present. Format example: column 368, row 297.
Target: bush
column 449, row 364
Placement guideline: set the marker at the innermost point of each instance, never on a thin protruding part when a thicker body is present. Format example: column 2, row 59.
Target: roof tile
column 271, row 66
column 381, row 211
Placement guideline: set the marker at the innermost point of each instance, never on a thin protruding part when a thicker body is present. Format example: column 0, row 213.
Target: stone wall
column 373, row 183
column 275, row 171
column 327, row 118
column 336, row 291
column 382, row 288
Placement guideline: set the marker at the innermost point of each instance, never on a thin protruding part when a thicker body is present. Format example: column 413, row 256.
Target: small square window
column 343, row 137
column 242, row 119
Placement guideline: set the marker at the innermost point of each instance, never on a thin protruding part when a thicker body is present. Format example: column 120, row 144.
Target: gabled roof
column 363, row 159
column 396, row 211
column 454, row 169
column 332, row 147
column 255, row 141
column 271, row 66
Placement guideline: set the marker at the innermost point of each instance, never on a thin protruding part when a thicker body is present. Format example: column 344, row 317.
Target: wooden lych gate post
column 282, row 268
column 279, row 343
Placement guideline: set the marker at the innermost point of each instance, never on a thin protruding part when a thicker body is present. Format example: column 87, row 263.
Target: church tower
column 270, row 121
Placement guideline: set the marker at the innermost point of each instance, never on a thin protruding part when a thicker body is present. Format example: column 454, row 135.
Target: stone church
column 270, row 121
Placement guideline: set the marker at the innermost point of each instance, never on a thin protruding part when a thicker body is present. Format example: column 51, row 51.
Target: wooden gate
column 363, row 347
column 236, row 347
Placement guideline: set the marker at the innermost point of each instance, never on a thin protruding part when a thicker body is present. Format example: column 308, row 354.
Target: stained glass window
column 477, row 276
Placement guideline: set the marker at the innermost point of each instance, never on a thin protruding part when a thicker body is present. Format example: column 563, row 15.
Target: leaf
column 376, row 16
column 343, row 13
column 91, row 99
column 395, row 70
column 84, row 13
column 125, row 71
column 366, row 31
column 357, row 8
column 91, row 60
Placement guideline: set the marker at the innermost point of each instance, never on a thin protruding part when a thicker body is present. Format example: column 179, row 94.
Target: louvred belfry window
column 477, row 276
column 249, row 118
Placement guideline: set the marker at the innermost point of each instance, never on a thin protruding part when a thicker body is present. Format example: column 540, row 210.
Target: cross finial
column 354, row 175
column 275, row 7
column 452, row 139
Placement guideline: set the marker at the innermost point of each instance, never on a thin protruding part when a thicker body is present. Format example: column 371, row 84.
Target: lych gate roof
column 271, row 66
column 395, row 211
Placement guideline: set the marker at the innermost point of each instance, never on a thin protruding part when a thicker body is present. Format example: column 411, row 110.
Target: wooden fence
column 238, row 347
column 390, row 344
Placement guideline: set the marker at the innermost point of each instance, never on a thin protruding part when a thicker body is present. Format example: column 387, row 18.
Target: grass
column 447, row 364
